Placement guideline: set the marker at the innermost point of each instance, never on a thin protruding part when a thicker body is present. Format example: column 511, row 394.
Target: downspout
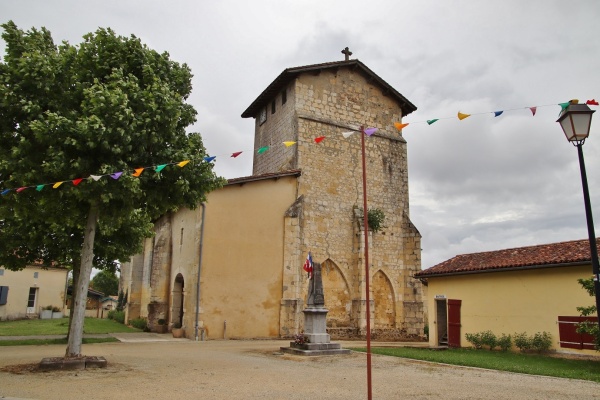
column 199, row 269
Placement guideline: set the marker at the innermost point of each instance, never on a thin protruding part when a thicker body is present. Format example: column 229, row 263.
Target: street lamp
column 575, row 121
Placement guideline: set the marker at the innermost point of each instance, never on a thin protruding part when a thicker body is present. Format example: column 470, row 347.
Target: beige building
column 529, row 289
column 237, row 272
column 23, row 294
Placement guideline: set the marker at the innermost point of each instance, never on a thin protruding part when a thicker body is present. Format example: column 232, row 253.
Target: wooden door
column 454, row 323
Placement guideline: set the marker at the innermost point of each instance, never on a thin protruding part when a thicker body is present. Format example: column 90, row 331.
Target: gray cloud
column 479, row 184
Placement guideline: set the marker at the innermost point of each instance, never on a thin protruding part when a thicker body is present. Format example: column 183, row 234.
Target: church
column 233, row 268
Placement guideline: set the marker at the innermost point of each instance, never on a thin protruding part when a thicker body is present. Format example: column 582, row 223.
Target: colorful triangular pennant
column 370, row 131
column 138, row 172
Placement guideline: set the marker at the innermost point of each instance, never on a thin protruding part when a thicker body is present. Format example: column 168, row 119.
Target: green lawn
column 503, row 361
column 31, row 327
column 39, row 342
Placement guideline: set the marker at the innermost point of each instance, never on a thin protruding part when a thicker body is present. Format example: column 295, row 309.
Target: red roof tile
column 545, row 255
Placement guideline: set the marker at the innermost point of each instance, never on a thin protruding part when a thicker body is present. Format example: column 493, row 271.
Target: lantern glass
column 575, row 121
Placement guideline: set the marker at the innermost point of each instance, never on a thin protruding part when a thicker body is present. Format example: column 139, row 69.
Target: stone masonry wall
column 279, row 127
column 327, row 105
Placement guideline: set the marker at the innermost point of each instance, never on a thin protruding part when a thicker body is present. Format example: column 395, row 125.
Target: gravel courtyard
column 237, row 369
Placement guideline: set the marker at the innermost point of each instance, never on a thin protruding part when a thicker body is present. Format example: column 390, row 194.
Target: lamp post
column 575, row 120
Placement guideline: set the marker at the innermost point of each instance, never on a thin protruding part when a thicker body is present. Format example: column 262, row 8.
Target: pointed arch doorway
column 177, row 304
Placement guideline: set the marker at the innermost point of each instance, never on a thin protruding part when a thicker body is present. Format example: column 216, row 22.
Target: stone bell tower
column 309, row 108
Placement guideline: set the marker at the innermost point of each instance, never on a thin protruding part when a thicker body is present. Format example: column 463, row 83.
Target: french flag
column 308, row 265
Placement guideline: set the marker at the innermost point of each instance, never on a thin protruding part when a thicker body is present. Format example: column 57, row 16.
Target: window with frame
column 283, row 96
column 3, row 295
column 32, row 296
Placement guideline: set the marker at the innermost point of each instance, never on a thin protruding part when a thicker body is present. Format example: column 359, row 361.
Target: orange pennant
column 399, row 126
column 138, row 171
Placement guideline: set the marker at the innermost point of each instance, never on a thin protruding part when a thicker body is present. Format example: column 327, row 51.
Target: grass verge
column 534, row 364
column 38, row 342
column 33, row 327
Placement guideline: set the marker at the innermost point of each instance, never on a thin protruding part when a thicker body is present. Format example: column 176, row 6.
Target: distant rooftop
column 576, row 252
column 290, row 74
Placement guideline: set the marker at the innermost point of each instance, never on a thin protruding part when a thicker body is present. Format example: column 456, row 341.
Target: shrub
column 55, row 309
column 426, row 331
column 375, row 218
column 475, row 339
column 522, row 341
column 139, row 323
column 541, row 341
column 488, row 338
column 118, row 316
column 504, row 342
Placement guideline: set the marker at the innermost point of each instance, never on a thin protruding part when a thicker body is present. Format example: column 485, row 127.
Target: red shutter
column 569, row 338
column 454, row 323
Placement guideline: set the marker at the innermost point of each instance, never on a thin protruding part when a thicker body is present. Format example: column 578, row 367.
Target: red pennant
column 237, row 153
column 592, row 102
column 533, row 110
column 19, row 190
column 319, row 139
column 77, row 181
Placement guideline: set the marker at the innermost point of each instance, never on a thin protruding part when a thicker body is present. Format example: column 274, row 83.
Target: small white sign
column 440, row 296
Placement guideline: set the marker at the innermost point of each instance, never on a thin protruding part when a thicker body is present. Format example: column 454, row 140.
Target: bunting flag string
column 367, row 131
column 461, row 116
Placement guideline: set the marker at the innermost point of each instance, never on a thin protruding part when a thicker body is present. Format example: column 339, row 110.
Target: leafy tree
column 105, row 106
column 107, row 282
column 589, row 327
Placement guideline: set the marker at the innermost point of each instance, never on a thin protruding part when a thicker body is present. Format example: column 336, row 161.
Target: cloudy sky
column 483, row 183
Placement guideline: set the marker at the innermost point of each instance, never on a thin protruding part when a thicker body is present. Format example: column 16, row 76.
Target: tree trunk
column 83, row 282
column 75, row 267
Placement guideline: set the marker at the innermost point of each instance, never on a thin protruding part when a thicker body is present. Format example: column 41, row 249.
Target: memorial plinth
column 315, row 323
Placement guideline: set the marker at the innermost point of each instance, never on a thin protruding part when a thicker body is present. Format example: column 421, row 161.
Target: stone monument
column 315, row 340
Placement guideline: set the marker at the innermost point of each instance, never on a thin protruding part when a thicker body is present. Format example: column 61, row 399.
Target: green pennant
column 431, row 121
column 160, row 167
column 262, row 150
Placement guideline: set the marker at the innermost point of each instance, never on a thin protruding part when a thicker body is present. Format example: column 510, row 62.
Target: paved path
column 256, row 369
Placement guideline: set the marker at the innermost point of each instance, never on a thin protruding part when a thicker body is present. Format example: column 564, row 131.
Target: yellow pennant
column 57, row 184
column 183, row 163
column 462, row 116
column 399, row 125
column 288, row 144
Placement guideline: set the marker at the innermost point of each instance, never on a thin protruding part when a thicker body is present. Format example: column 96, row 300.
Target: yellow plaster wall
column 51, row 290
column 242, row 271
column 514, row 301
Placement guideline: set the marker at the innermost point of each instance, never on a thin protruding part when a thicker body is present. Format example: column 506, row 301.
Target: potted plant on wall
column 177, row 330
column 56, row 313
column 46, row 313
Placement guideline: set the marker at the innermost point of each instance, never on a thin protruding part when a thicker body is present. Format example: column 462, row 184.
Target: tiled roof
column 291, row 73
column 545, row 255
column 274, row 175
